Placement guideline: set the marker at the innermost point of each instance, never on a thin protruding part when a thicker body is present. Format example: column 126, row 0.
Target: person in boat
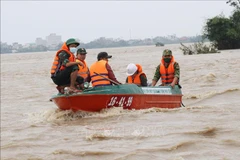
column 83, row 70
column 136, row 75
column 101, row 73
column 64, row 71
column 168, row 70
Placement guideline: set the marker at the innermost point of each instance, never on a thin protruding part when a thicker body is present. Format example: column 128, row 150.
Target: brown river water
column 208, row 128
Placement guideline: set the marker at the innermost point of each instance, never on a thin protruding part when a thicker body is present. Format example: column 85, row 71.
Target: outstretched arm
column 156, row 76
column 153, row 82
column 174, row 82
column 176, row 74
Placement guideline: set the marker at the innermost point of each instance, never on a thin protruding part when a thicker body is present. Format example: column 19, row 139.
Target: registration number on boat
column 120, row 101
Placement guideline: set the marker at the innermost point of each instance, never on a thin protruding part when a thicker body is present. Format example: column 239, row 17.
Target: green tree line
column 225, row 32
column 101, row 42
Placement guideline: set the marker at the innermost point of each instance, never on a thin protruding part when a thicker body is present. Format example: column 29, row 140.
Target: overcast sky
column 24, row 21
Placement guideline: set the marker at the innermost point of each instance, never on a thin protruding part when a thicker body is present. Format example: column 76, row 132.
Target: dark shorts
column 63, row 77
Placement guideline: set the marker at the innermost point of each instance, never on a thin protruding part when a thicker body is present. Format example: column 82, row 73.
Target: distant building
column 26, row 45
column 172, row 37
column 29, row 45
column 183, row 38
column 16, row 46
column 53, row 40
column 40, row 42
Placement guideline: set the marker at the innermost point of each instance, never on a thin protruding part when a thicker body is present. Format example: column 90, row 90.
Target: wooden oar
column 107, row 79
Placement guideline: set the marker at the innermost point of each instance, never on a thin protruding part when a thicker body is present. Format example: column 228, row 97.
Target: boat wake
column 57, row 115
column 197, row 103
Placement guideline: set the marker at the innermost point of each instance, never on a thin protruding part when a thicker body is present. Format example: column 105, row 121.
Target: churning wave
column 81, row 153
column 57, row 115
column 198, row 99
column 209, row 94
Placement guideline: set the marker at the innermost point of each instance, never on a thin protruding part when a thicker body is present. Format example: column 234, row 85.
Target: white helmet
column 131, row 69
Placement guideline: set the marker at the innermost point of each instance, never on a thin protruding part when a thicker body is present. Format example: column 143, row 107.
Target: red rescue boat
column 128, row 96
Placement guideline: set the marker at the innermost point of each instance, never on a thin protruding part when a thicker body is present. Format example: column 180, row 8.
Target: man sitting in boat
column 168, row 70
column 64, row 71
column 136, row 75
column 83, row 70
column 101, row 73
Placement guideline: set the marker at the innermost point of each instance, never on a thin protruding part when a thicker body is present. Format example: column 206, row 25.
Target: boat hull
column 127, row 96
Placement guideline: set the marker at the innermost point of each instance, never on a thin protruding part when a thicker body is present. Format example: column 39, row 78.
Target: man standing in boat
column 136, row 75
column 64, row 71
column 168, row 70
column 83, row 70
column 101, row 73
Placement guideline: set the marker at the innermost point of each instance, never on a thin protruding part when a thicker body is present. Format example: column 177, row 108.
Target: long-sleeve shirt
column 111, row 74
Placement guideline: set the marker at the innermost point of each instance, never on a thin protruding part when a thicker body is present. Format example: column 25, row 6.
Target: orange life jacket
column 83, row 71
column 167, row 74
column 136, row 80
column 100, row 68
column 56, row 66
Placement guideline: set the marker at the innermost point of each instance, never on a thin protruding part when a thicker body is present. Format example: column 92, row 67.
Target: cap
column 131, row 69
column 167, row 52
column 81, row 51
column 103, row 55
column 72, row 41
